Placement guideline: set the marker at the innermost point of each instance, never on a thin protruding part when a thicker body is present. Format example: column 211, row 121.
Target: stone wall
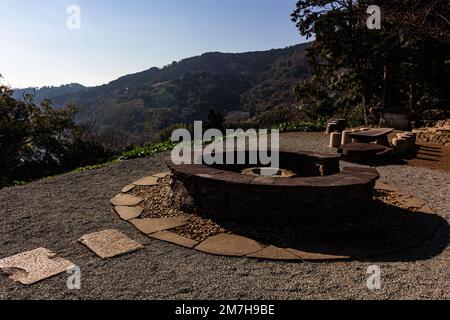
column 440, row 134
column 396, row 121
column 229, row 195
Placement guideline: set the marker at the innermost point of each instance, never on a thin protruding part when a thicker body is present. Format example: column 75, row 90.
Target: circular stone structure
column 319, row 192
column 394, row 221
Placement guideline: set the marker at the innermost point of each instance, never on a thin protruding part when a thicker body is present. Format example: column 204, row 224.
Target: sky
column 44, row 42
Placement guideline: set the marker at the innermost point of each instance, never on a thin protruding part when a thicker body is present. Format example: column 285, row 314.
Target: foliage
column 150, row 150
column 215, row 120
column 400, row 67
column 166, row 134
column 38, row 141
column 53, row 93
column 96, row 166
column 132, row 153
column 304, row 126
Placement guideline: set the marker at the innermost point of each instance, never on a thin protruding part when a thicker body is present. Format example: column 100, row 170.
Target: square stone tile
column 175, row 239
column 34, row 266
column 229, row 245
column 126, row 200
column 149, row 225
column 110, row 243
column 147, row 181
column 128, row 213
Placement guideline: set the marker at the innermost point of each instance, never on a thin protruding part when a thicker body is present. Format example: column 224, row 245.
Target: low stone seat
column 380, row 136
column 363, row 151
column 336, row 124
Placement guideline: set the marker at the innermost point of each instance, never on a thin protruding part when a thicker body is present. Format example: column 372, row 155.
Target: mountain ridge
column 135, row 107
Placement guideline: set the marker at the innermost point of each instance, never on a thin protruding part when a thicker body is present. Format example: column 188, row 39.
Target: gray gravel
column 55, row 213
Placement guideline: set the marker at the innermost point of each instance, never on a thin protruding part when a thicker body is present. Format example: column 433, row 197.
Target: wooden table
column 380, row 136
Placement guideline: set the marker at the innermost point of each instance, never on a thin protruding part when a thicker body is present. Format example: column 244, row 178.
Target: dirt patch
column 431, row 156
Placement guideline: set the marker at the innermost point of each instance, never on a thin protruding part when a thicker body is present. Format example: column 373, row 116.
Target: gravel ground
column 54, row 213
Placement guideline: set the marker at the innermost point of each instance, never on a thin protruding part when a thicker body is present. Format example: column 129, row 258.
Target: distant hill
column 137, row 106
column 43, row 93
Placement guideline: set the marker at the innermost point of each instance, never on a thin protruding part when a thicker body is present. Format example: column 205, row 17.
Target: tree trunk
column 413, row 96
column 386, row 85
column 366, row 109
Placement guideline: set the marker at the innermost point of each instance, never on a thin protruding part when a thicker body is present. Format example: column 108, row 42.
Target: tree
column 424, row 17
column 423, row 32
column 38, row 141
column 15, row 129
column 372, row 68
column 341, row 57
column 216, row 120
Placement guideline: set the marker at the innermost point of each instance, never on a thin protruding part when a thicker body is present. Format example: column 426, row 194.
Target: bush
column 38, row 141
column 304, row 126
column 150, row 150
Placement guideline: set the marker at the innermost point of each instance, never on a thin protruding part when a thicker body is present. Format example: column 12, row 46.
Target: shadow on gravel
column 386, row 233
column 424, row 153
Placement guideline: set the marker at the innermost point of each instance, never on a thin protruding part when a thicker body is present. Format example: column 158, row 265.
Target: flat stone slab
column 149, row 225
column 110, row 243
column 128, row 188
column 361, row 148
column 274, row 253
column 372, row 133
column 310, row 256
column 411, row 202
column 229, row 245
column 147, row 181
column 383, row 185
column 175, row 239
column 34, row 266
column 128, row 213
column 125, row 200
column 162, row 175
column 426, row 210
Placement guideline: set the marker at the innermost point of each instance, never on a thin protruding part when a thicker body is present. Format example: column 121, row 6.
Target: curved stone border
column 307, row 250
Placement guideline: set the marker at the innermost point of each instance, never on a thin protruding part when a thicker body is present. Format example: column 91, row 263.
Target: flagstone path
column 413, row 224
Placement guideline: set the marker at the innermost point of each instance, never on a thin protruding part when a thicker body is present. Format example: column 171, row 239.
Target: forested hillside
column 40, row 94
column 136, row 107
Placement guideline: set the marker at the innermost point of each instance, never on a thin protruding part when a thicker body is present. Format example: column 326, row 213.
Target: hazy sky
column 119, row 37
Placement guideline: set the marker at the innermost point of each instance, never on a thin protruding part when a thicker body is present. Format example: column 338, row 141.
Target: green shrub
column 150, row 150
column 303, row 126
